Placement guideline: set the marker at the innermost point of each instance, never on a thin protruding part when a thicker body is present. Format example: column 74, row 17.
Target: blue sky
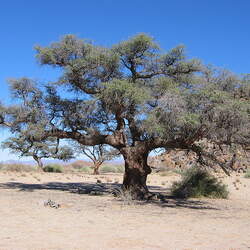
column 217, row 32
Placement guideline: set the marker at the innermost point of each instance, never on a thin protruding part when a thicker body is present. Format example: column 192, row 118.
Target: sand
column 87, row 221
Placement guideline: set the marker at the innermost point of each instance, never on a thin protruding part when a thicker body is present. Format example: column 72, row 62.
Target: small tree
column 48, row 148
column 97, row 154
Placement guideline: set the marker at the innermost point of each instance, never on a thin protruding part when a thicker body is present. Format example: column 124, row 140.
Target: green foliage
column 112, row 169
column 138, row 48
column 120, row 169
column 247, row 174
column 53, row 168
column 25, row 146
column 199, row 183
column 133, row 97
column 87, row 170
column 124, row 93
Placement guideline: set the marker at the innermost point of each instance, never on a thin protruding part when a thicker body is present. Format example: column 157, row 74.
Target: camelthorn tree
column 135, row 98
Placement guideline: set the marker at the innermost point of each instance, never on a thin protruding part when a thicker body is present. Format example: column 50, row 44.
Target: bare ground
column 86, row 221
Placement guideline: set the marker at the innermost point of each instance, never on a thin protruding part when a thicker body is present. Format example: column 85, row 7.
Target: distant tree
column 135, row 98
column 97, row 154
column 38, row 150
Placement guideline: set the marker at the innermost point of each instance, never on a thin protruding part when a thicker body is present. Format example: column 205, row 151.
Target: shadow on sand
column 161, row 198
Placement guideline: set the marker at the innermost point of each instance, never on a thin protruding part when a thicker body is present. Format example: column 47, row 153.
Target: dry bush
column 79, row 164
column 126, row 196
column 17, row 167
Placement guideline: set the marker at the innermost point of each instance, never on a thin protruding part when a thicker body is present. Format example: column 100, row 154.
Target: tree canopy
column 49, row 148
column 134, row 97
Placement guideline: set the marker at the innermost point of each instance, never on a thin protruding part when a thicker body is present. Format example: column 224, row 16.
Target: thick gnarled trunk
column 136, row 171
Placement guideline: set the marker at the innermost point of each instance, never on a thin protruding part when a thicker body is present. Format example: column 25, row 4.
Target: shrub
column 180, row 171
column 1, row 166
column 79, row 164
column 247, row 174
column 120, row 169
column 86, row 170
column 199, row 183
column 53, row 168
column 107, row 169
column 112, row 169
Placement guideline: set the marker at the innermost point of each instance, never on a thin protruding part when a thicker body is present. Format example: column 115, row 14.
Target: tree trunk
column 96, row 167
column 136, row 171
column 39, row 163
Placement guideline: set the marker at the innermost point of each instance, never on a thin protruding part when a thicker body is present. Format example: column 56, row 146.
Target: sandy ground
column 87, row 221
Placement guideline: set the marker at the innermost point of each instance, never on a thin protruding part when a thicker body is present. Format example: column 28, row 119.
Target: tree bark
column 136, row 172
column 39, row 163
column 96, row 168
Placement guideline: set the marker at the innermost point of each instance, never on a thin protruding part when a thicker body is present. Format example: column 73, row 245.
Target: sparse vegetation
column 132, row 97
column 199, row 183
column 166, row 173
column 124, row 195
column 53, row 168
column 247, row 174
column 17, row 167
column 86, row 170
column 79, row 164
column 112, row 169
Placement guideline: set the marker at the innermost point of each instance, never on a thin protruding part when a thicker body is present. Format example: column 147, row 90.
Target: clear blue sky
column 217, row 32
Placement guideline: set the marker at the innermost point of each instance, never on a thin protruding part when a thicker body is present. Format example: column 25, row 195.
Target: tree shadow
column 161, row 197
column 167, row 201
column 73, row 187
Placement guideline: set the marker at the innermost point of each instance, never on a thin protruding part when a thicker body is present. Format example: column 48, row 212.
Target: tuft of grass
column 247, row 174
column 197, row 183
column 124, row 195
column 53, row 168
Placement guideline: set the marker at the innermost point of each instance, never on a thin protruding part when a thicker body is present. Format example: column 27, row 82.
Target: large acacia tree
column 134, row 97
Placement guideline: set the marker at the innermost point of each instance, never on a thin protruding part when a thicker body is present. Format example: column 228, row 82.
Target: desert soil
column 88, row 221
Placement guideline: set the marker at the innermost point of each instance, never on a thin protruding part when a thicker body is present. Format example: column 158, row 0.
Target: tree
column 98, row 154
column 135, row 98
column 38, row 150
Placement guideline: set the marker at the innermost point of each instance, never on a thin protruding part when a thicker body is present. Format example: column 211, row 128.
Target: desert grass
column 17, row 167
